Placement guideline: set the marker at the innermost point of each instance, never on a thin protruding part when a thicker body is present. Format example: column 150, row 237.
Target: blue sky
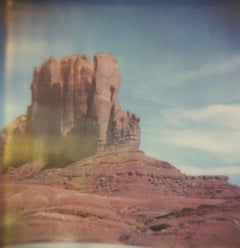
column 179, row 62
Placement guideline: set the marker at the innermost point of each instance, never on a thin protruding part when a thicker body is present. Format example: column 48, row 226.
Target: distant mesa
column 74, row 113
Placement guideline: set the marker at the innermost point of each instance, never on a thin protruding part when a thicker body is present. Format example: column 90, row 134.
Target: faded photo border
column 187, row 97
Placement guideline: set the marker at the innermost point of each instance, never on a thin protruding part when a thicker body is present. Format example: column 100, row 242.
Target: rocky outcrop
column 130, row 173
column 124, row 197
column 74, row 112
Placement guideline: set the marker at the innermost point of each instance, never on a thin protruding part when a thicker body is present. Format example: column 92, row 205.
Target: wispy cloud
column 169, row 84
column 215, row 129
column 218, row 116
column 196, row 170
column 206, row 71
column 225, row 145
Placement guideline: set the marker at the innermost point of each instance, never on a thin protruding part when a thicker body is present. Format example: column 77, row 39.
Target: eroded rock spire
column 74, row 112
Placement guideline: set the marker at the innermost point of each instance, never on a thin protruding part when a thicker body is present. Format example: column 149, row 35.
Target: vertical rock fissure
column 111, row 127
column 112, row 89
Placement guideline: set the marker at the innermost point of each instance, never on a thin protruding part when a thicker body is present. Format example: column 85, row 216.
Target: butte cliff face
column 74, row 113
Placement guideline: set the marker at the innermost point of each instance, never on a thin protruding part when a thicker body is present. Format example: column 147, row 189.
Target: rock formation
column 119, row 198
column 74, row 113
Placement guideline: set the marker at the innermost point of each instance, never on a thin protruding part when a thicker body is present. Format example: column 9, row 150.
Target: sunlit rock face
column 74, row 113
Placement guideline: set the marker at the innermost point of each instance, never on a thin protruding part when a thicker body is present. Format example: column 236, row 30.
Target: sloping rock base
column 119, row 198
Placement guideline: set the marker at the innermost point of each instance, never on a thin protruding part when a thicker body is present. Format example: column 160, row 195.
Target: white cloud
column 224, row 116
column 196, row 170
column 225, row 144
column 214, row 129
column 166, row 81
column 205, row 71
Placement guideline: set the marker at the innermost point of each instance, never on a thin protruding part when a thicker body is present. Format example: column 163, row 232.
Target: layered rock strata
column 74, row 112
column 125, row 198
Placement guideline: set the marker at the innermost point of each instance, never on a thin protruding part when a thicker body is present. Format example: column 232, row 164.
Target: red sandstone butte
column 74, row 113
column 73, row 172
